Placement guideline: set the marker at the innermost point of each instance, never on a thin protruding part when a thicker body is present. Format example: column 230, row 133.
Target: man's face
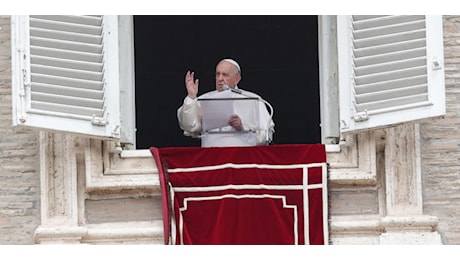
column 226, row 74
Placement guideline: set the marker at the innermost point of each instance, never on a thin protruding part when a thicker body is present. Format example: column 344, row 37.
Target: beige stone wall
column 441, row 146
column 19, row 178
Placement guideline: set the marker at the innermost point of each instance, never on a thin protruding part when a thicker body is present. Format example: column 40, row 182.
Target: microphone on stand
column 267, row 128
column 234, row 90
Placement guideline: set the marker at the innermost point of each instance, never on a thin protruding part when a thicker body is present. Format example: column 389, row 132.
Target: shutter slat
column 394, row 74
column 389, row 39
column 64, row 90
column 390, row 94
column 368, row 21
column 65, row 26
column 391, row 84
column 65, row 54
column 66, row 45
column 66, row 36
column 69, row 73
column 65, row 109
column 67, row 100
column 389, row 103
column 389, row 66
column 357, row 18
column 68, row 82
column 392, row 29
column 414, row 48
column 62, row 63
column 370, row 58
column 94, row 20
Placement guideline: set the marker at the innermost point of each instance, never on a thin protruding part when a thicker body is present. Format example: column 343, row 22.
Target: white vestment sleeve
column 189, row 117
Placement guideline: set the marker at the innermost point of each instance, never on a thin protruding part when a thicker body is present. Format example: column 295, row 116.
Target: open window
column 76, row 73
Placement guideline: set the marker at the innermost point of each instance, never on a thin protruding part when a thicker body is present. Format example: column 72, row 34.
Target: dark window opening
column 278, row 56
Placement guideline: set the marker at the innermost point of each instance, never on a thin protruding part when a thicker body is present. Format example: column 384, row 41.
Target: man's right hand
column 191, row 84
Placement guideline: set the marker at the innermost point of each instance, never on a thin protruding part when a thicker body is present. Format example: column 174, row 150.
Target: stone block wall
column 440, row 145
column 19, row 176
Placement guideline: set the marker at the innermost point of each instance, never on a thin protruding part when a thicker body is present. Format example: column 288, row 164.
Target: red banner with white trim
column 262, row 195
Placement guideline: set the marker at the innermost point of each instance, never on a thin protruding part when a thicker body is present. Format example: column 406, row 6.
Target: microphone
column 234, row 90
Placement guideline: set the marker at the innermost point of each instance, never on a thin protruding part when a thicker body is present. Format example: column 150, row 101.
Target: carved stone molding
column 106, row 170
column 64, row 160
column 355, row 164
column 125, row 233
column 360, row 230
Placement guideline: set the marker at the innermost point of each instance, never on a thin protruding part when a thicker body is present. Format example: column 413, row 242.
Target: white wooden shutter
column 391, row 70
column 65, row 74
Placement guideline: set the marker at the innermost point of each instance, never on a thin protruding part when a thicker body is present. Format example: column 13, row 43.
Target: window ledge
column 333, row 148
column 125, row 154
column 142, row 153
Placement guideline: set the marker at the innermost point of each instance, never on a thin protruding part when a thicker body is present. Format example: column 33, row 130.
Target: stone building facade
column 394, row 185
column 20, row 182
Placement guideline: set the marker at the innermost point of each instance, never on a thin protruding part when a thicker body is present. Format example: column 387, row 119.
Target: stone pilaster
column 59, row 202
column 404, row 221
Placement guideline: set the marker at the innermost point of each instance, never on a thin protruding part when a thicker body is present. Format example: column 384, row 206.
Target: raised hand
column 191, row 84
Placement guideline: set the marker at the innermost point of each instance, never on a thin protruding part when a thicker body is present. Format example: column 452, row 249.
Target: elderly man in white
column 241, row 129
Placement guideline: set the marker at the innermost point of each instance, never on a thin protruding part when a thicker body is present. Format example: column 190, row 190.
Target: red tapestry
column 262, row 195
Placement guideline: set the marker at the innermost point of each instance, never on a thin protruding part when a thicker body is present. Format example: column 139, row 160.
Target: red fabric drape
column 244, row 195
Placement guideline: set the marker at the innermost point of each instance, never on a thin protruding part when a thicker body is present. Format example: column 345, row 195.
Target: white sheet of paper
column 216, row 113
